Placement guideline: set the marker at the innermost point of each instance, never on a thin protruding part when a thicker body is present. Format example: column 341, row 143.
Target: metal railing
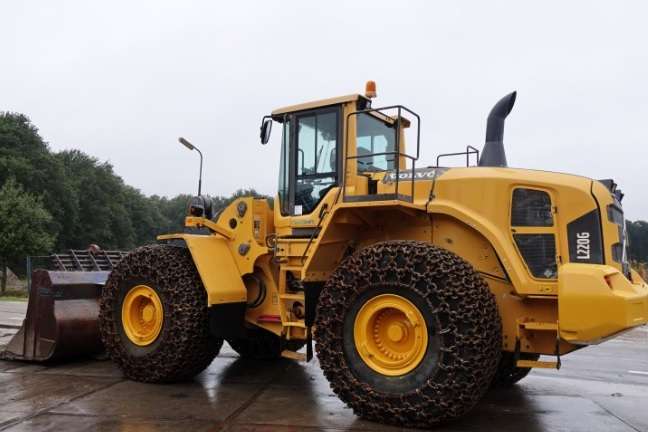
column 469, row 150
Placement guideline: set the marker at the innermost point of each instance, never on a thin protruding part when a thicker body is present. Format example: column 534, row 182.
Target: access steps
column 524, row 325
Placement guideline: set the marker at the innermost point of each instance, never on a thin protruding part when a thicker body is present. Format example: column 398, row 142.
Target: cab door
column 310, row 160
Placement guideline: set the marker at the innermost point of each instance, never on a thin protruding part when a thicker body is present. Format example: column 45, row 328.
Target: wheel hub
column 390, row 334
column 142, row 315
column 397, row 332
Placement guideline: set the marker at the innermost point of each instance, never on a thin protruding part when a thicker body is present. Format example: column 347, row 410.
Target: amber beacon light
column 370, row 89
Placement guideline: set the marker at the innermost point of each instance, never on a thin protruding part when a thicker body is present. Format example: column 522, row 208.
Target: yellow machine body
column 465, row 210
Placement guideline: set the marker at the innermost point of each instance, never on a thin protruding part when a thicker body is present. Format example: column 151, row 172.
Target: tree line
column 638, row 238
column 55, row 201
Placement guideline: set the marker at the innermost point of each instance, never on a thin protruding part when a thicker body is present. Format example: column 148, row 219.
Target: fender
column 505, row 250
column 216, row 267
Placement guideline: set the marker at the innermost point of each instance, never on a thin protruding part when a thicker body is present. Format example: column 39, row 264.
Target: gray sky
column 121, row 80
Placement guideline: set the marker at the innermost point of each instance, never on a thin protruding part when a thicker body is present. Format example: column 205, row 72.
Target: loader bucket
column 62, row 318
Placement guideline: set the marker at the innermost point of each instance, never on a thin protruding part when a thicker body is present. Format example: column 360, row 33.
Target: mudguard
column 216, row 266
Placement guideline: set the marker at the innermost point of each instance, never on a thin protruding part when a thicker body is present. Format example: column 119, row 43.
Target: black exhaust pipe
column 493, row 153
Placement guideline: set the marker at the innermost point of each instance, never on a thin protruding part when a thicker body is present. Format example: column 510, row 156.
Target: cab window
column 375, row 136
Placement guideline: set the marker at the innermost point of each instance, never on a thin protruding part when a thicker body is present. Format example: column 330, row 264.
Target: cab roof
column 317, row 104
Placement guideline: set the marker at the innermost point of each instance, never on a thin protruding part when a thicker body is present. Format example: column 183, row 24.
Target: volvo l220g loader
column 421, row 287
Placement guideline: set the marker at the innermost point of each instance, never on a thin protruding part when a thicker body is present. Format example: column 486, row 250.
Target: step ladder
column 537, row 326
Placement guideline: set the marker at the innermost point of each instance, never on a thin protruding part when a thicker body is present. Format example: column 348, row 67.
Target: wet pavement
column 602, row 388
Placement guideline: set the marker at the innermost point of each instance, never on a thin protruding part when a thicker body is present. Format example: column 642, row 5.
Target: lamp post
column 190, row 146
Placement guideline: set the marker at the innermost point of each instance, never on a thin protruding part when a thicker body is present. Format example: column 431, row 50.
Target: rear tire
column 260, row 344
column 182, row 346
column 507, row 373
column 463, row 331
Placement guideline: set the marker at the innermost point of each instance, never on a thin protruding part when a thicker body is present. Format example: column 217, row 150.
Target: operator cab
column 313, row 147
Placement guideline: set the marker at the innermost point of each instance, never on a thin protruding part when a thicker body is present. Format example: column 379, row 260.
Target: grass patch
column 13, row 298
column 14, row 295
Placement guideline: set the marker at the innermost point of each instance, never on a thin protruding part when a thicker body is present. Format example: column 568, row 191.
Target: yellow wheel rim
column 390, row 335
column 142, row 315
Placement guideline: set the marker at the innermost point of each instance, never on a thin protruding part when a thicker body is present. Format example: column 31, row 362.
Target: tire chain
column 185, row 344
column 469, row 331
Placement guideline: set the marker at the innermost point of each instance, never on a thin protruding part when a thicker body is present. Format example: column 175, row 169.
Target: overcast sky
column 121, row 80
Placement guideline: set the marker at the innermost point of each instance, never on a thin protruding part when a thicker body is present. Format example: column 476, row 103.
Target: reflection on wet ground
column 599, row 389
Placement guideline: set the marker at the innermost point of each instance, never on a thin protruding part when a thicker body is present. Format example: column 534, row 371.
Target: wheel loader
column 419, row 288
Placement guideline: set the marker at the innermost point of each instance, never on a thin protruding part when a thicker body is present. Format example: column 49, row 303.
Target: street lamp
column 190, row 146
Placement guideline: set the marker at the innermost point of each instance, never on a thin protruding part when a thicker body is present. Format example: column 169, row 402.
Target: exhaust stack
column 493, row 153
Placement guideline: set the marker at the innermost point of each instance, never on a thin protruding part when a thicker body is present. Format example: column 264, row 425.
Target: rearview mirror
column 266, row 129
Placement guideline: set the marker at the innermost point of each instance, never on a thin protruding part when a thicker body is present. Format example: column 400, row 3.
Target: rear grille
column 539, row 252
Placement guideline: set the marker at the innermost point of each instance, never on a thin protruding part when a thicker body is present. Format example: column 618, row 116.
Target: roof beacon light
column 370, row 89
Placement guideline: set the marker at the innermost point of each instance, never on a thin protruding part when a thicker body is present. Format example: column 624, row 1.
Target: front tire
column 153, row 316
column 373, row 314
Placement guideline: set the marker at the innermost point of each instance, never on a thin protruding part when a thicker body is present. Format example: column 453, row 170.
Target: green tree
column 27, row 158
column 173, row 212
column 23, row 226
column 638, row 240
column 101, row 197
column 88, row 202
column 145, row 215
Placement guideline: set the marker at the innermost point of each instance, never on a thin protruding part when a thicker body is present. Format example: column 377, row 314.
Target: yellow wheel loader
column 421, row 287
